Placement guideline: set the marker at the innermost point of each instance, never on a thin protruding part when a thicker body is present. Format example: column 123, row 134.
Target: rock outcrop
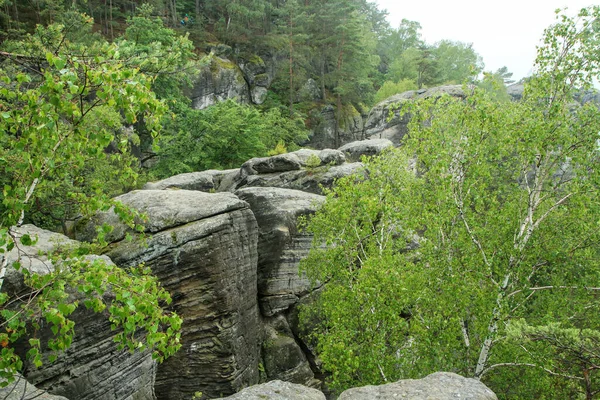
column 281, row 245
column 203, row 249
column 93, row 367
column 377, row 125
column 221, row 80
column 325, row 135
column 371, row 147
column 21, row 389
column 438, row 386
column 277, row 390
column 258, row 74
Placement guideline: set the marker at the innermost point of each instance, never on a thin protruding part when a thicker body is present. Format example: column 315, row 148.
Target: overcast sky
column 503, row 32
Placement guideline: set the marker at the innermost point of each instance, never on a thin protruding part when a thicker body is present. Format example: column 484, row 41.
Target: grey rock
column 259, row 75
column 437, row 386
column 20, row 389
column 307, row 180
column 370, row 147
column 217, row 82
column 281, row 245
column 310, row 91
column 204, row 181
column 282, row 356
column 202, row 247
column 278, row 163
column 324, row 135
column 278, row 390
column 93, row 367
column 515, row 91
column 378, row 123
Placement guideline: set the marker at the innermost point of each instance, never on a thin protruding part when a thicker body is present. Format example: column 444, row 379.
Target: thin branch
column 491, row 367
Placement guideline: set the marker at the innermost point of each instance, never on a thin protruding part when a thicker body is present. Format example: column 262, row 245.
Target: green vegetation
column 224, row 136
column 473, row 248
column 63, row 106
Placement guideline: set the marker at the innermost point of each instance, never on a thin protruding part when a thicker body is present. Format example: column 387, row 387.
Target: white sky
column 503, row 32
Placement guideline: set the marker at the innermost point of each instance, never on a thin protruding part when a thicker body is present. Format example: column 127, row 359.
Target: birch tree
column 430, row 262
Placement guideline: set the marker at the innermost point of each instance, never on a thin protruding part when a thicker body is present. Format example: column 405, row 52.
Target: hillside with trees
column 473, row 248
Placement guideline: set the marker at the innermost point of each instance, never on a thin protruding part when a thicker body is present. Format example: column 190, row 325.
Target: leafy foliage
column 61, row 107
column 224, row 136
column 432, row 262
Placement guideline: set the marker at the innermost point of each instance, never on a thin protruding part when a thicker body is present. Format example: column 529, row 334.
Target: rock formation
column 227, row 246
column 377, row 125
column 277, row 390
column 93, row 367
column 222, row 79
column 203, row 249
column 21, row 389
column 438, row 386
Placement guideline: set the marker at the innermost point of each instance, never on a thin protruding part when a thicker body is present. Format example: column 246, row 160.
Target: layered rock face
column 21, row 389
column 93, row 367
column 202, row 247
column 217, row 82
column 351, row 128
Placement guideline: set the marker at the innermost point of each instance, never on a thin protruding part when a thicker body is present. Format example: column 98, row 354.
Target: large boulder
column 438, row 386
column 281, row 245
column 370, row 147
column 277, row 390
column 305, row 170
column 379, row 125
column 204, row 181
column 93, row 367
column 222, row 79
column 202, row 247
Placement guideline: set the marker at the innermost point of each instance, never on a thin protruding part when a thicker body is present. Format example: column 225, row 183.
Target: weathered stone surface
column 310, row 91
column 306, row 180
column 351, row 128
column 282, row 356
column 377, row 125
column 204, row 181
column 259, row 74
column 280, row 244
column 202, row 247
column 93, row 367
column 370, row 147
column 20, row 389
column 278, row 163
column 277, row 390
column 515, row 91
column 437, row 386
column 217, row 82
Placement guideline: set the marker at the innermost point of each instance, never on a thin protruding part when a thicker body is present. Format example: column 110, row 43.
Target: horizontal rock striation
column 202, row 247
column 92, row 368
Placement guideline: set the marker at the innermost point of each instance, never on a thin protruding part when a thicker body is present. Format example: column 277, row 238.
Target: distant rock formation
column 379, row 125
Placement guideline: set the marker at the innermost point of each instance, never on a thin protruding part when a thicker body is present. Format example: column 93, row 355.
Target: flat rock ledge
column 277, row 390
column 437, row 386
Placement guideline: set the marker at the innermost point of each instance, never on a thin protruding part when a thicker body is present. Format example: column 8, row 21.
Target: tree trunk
column 291, row 64
column 112, row 36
